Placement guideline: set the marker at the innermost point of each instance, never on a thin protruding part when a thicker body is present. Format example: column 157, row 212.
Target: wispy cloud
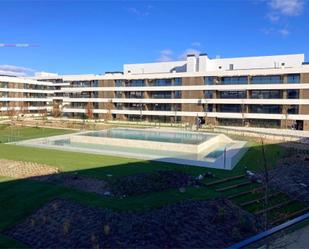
column 279, row 12
column 272, row 31
column 273, row 17
column 15, row 70
column 143, row 12
column 170, row 55
column 287, row 7
column 196, row 44
column 165, row 55
column 284, row 32
column 194, row 51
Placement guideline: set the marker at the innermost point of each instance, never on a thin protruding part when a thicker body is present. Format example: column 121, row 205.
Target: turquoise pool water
column 151, row 135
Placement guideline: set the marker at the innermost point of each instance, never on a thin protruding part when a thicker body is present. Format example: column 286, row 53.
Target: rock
column 182, row 190
column 199, row 177
column 107, row 193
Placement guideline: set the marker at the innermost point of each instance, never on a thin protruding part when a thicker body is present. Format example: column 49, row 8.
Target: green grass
column 20, row 198
column 16, row 133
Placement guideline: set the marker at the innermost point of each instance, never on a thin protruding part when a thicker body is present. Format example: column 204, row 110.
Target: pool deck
column 146, row 150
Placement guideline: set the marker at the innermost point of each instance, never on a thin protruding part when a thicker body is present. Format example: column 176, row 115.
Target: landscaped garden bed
column 291, row 176
column 189, row 224
column 126, row 186
column 152, row 182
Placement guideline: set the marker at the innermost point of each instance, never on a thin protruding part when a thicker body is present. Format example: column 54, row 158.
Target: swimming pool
column 175, row 146
column 153, row 135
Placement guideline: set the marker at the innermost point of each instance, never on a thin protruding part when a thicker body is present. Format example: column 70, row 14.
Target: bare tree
column 109, row 106
column 89, row 110
column 56, row 110
column 285, row 111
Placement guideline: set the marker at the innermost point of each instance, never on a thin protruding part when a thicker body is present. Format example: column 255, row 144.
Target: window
column 293, row 78
column 208, row 94
column 178, row 82
column 177, row 94
column 293, row 109
column 118, row 83
column 231, row 67
column 265, row 94
column 163, row 82
column 118, row 94
column 234, row 80
column 134, row 95
column 230, row 108
column 209, row 108
column 95, row 83
column 162, row 95
column 137, row 82
column 292, row 94
column 265, row 109
column 271, row 79
column 209, row 80
column 233, row 94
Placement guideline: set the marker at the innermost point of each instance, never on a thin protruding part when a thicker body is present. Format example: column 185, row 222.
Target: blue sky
column 97, row 36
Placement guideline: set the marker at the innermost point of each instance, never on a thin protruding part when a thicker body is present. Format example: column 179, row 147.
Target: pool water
column 150, row 135
column 188, row 148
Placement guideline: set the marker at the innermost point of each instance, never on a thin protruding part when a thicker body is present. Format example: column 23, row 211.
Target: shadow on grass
column 19, row 198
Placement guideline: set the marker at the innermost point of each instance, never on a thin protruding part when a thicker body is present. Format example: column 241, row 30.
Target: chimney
column 202, row 62
column 191, row 63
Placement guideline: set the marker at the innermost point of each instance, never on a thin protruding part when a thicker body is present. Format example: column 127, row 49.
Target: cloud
column 274, row 31
column 194, row 51
column 287, row 7
column 169, row 55
column 141, row 11
column 15, row 70
column 196, row 44
column 165, row 55
column 273, row 17
column 284, row 32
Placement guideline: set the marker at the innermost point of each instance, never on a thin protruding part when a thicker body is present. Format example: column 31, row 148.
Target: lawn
column 17, row 133
column 20, row 198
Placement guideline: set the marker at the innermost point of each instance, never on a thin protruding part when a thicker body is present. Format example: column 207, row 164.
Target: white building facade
column 266, row 91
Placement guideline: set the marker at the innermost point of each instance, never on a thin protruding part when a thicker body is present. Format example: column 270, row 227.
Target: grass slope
column 19, row 198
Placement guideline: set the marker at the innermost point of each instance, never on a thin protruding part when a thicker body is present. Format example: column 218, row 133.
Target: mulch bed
column 132, row 185
column 76, row 181
column 151, row 182
column 189, row 224
column 291, row 176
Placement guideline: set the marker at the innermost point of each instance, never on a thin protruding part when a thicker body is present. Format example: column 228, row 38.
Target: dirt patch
column 76, row 181
column 19, row 169
column 190, row 224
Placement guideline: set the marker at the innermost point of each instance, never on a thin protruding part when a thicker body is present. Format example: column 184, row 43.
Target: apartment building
column 266, row 91
column 20, row 96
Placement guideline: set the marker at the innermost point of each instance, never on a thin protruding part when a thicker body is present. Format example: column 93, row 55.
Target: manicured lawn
column 19, row 198
column 16, row 133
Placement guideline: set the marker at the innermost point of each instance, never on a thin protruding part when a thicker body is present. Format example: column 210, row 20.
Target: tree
column 89, row 110
column 11, row 111
column 285, row 111
column 108, row 106
column 43, row 114
column 56, row 109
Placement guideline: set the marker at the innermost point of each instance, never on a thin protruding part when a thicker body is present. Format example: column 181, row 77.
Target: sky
column 80, row 37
